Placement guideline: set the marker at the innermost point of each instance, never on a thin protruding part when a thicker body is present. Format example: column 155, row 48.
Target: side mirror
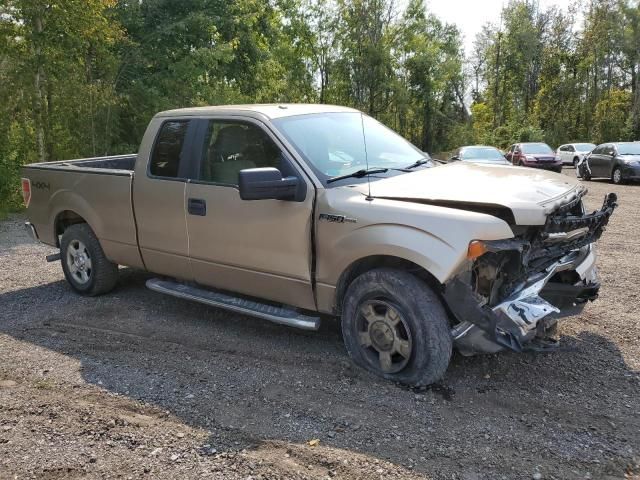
column 266, row 183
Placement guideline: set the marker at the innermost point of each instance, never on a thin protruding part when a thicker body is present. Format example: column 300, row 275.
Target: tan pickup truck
column 294, row 213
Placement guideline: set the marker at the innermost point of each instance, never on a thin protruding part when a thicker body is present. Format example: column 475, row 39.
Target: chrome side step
column 281, row 315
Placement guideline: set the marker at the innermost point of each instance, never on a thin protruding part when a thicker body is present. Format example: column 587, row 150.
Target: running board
column 281, row 315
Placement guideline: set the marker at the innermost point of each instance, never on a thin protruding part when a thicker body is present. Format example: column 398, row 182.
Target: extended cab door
column 261, row 248
column 159, row 196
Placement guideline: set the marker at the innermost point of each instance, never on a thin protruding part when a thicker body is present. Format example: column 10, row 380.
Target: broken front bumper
column 528, row 312
column 560, row 287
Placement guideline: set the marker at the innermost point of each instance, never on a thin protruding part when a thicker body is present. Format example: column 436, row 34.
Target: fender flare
column 69, row 201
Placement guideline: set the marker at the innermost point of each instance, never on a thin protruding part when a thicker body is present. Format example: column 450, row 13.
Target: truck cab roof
column 270, row 110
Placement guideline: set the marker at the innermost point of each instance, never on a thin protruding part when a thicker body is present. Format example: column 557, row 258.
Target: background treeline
column 558, row 76
column 83, row 77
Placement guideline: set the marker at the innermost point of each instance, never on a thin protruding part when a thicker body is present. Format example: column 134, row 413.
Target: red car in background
column 534, row 154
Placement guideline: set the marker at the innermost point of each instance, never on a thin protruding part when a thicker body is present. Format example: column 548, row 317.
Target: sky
column 471, row 15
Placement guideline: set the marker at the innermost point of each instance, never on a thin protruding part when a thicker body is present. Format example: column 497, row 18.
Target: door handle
column 197, row 206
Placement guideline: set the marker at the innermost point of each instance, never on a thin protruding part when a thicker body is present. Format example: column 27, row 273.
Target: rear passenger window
column 234, row 146
column 167, row 152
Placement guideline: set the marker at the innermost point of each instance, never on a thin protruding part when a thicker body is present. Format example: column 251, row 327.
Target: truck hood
column 518, row 195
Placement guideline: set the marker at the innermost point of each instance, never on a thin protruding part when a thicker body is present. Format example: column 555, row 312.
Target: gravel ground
column 138, row 385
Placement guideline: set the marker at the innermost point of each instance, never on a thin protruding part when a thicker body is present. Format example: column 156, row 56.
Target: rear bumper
column 31, row 230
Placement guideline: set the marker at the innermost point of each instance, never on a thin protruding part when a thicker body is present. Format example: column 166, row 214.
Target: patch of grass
column 5, row 211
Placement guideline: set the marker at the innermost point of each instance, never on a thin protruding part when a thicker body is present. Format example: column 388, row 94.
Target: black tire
column 423, row 324
column 575, row 162
column 558, row 170
column 616, row 176
column 101, row 274
column 584, row 173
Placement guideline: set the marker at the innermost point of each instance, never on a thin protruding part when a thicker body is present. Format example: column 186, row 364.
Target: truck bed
column 97, row 191
column 114, row 165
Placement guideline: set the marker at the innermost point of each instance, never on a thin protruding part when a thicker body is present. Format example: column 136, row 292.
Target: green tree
column 432, row 60
column 57, row 82
column 612, row 121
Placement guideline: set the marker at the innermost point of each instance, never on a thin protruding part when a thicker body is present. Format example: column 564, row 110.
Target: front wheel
column 394, row 325
column 84, row 263
column 575, row 162
column 616, row 176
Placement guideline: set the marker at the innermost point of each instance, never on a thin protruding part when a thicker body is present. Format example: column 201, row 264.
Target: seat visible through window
column 232, row 147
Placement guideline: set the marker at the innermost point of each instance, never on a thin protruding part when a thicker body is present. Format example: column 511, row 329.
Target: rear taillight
column 26, row 191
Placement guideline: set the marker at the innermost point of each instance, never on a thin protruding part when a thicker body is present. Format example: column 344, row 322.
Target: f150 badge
column 329, row 217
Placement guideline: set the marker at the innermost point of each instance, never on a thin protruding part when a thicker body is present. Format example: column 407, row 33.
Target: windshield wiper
column 417, row 163
column 358, row 174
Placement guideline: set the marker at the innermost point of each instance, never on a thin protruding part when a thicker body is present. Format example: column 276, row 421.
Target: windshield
column 536, row 148
column 334, row 144
column 482, row 154
column 584, row 147
column 629, row 148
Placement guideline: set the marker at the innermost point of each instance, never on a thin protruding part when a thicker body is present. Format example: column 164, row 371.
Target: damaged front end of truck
column 512, row 292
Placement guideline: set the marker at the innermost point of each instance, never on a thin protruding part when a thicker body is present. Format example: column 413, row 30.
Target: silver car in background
column 479, row 154
column 572, row 153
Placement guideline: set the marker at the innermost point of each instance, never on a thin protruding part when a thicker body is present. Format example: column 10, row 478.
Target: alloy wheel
column 384, row 336
column 79, row 262
column 617, row 176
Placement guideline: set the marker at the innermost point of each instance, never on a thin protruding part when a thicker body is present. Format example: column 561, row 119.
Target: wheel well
column 363, row 265
column 63, row 221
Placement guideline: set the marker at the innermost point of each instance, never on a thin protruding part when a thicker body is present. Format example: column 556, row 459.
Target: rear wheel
column 616, row 176
column 394, row 325
column 84, row 263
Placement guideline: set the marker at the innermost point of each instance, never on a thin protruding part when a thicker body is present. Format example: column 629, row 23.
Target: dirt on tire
column 134, row 384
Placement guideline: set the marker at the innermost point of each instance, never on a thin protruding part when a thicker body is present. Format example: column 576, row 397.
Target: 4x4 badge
column 336, row 218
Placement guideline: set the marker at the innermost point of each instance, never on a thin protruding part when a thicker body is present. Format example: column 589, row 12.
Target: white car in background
column 572, row 153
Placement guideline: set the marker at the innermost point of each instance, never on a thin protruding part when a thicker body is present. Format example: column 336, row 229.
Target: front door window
column 234, row 146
